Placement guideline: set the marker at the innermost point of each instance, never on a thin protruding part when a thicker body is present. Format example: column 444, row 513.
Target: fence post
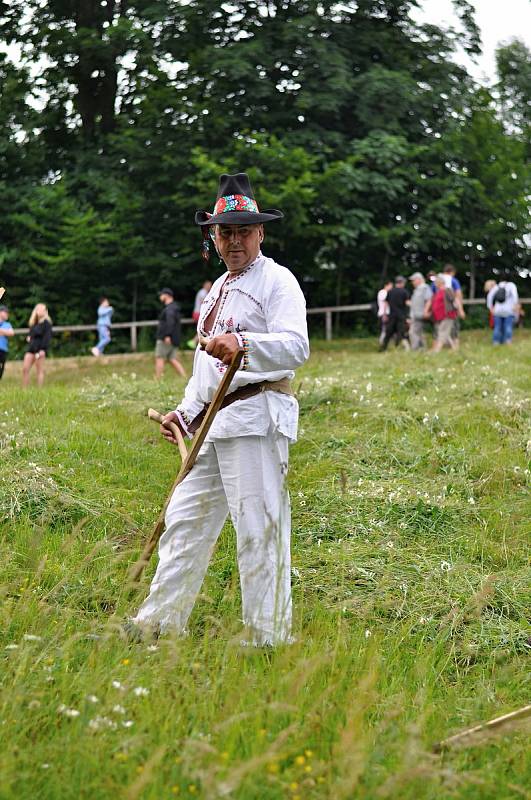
column 133, row 338
column 328, row 326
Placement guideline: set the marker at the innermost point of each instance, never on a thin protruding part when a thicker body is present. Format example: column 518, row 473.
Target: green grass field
column 411, row 586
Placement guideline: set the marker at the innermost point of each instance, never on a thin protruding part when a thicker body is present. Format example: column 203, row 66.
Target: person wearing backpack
column 502, row 301
column 444, row 313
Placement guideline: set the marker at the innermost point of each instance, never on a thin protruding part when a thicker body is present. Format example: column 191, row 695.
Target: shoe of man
column 95, row 352
column 136, row 634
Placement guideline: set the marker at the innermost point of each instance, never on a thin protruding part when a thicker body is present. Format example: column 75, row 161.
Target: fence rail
column 327, row 311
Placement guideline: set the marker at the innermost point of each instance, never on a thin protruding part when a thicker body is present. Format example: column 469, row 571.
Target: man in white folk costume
column 241, row 469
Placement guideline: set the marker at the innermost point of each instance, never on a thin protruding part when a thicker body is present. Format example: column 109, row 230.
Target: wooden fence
column 326, row 311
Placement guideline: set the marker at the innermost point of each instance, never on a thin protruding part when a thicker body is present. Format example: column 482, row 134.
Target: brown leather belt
column 244, row 393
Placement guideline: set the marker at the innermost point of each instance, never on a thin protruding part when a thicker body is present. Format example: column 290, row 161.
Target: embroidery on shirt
column 245, row 343
column 250, row 296
column 186, row 417
column 237, row 277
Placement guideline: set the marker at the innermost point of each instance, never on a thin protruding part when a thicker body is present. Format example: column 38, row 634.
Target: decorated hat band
column 235, row 202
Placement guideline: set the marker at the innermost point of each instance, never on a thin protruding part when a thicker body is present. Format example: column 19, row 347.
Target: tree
column 513, row 63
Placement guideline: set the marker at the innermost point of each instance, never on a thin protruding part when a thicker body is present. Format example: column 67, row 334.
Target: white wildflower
column 11, row 647
column 152, row 648
column 368, row 633
column 45, row 766
column 141, row 691
column 369, row 387
column 118, row 709
column 118, row 685
column 92, row 698
column 98, row 723
column 31, row 637
column 446, row 566
column 68, row 712
column 471, row 501
column 127, row 723
column 355, row 414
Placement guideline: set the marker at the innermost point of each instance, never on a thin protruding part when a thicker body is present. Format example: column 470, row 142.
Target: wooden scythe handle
column 197, row 442
column 2, row 292
column 156, row 417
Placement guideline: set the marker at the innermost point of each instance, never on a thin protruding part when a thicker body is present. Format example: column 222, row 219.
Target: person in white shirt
column 502, row 301
column 383, row 309
column 200, row 296
column 256, row 305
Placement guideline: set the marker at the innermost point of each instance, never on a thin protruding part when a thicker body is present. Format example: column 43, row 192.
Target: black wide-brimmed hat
column 235, row 204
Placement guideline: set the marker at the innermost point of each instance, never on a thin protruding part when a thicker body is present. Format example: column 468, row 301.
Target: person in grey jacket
column 502, row 301
column 419, row 310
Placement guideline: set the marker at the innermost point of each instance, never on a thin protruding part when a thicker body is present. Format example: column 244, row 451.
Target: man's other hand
column 164, row 429
column 223, row 347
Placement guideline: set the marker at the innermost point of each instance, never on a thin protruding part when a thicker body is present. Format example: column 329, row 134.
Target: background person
column 6, row 329
column 453, row 283
column 383, row 309
column 168, row 335
column 105, row 312
column 444, row 312
column 502, row 300
column 419, row 310
column 430, row 278
column 487, row 286
column 39, row 338
column 398, row 300
column 200, row 296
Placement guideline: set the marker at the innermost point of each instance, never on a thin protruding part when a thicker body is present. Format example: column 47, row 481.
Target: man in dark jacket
column 168, row 335
column 398, row 301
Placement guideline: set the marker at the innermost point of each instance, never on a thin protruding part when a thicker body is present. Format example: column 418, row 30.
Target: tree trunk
column 95, row 74
column 472, row 286
column 385, row 267
column 339, row 290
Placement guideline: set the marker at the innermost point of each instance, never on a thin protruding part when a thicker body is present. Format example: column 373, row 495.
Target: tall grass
column 410, row 494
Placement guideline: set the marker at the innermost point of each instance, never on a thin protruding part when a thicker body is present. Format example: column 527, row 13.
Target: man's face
column 4, row 316
column 165, row 298
column 238, row 245
column 416, row 282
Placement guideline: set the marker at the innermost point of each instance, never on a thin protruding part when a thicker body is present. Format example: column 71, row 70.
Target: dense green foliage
column 116, row 119
column 411, row 585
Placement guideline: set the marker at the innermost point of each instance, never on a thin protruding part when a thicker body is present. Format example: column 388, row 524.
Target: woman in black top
column 40, row 336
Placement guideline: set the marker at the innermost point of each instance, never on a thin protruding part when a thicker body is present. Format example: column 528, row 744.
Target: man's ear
column 262, row 234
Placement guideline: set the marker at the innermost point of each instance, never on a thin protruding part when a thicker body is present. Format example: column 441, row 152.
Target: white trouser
column 245, row 476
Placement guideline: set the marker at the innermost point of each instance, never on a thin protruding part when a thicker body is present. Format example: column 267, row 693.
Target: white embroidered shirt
column 265, row 306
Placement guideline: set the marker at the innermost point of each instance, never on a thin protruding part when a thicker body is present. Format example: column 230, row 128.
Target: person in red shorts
column 444, row 312
column 199, row 298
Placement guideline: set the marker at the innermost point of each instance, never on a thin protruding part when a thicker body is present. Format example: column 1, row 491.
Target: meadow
column 410, row 496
